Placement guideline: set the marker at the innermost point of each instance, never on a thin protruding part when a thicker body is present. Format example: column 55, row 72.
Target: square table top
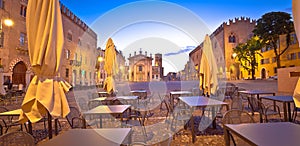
column 180, row 92
column 256, row 92
column 194, row 101
column 89, row 137
column 103, row 92
column 268, row 134
column 107, row 109
column 138, row 91
column 127, row 97
column 103, row 98
column 281, row 98
column 16, row 112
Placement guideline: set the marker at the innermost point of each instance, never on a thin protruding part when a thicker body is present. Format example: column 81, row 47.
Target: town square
column 149, row 72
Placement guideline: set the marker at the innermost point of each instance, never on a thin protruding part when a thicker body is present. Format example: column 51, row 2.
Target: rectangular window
column 298, row 55
column 140, row 68
column 22, row 39
column 68, row 54
column 275, row 70
column 273, row 59
column 293, row 39
column 69, row 36
column 67, row 72
column 23, row 10
column 292, row 56
column 1, row 4
column 1, row 39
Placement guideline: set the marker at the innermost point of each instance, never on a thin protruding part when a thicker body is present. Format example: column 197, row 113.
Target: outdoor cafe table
column 115, row 98
column 103, row 94
column 17, row 112
column 286, row 100
column 201, row 101
column 173, row 94
column 140, row 93
column 90, row 137
column 107, row 109
column 265, row 134
column 255, row 92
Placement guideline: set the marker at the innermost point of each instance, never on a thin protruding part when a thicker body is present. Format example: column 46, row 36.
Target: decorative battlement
column 232, row 22
column 69, row 14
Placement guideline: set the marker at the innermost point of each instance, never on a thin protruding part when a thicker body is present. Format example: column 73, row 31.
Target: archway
column 19, row 73
column 263, row 73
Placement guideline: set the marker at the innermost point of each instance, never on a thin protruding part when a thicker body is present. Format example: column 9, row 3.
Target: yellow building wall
column 285, row 61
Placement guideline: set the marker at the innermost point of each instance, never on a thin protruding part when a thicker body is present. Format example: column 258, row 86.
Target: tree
column 246, row 54
column 270, row 26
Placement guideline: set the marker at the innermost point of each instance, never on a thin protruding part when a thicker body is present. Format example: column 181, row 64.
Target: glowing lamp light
column 8, row 22
column 100, row 59
column 234, row 55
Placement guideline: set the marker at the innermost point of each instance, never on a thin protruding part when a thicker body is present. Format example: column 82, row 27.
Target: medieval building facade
column 226, row 37
column 79, row 50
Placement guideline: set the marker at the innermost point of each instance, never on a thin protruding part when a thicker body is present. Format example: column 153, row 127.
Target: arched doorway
column 263, row 73
column 19, row 73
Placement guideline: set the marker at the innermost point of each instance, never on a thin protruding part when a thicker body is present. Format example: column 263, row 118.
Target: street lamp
column 7, row 22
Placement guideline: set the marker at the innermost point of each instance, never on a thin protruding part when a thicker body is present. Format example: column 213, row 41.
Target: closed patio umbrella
column 46, row 92
column 208, row 69
column 296, row 16
column 110, row 66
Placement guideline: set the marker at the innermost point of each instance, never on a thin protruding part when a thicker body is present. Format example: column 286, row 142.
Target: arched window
column 231, row 38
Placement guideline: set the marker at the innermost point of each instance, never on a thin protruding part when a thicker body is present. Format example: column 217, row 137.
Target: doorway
column 263, row 73
column 19, row 74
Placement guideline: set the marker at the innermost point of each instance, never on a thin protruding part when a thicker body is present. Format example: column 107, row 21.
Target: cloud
column 187, row 49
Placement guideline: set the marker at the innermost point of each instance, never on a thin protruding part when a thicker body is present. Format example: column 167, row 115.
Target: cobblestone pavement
column 206, row 138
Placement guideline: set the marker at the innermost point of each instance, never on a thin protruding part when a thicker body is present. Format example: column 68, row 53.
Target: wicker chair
column 264, row 110
column 19, row 138
column 236, row 116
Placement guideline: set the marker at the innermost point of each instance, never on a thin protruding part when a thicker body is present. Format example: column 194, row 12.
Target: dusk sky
column 175, row 24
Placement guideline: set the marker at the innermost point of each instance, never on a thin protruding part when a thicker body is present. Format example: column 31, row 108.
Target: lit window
column 68, row 54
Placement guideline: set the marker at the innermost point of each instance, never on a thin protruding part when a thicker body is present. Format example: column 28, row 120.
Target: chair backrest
column 19, row 138
column 256, row 105
column 93, row 103
column 237, row 103
column 74, row 113
column 237, row 117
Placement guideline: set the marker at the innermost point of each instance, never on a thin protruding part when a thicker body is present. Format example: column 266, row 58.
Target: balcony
column 75, row 63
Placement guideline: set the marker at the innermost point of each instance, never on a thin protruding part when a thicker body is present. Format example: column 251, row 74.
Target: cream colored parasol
column 208, row 69
column 110, row 66
column 296, row 17
column 46, row 92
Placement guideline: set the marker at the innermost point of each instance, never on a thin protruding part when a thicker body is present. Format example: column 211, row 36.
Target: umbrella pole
column 49, row 125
